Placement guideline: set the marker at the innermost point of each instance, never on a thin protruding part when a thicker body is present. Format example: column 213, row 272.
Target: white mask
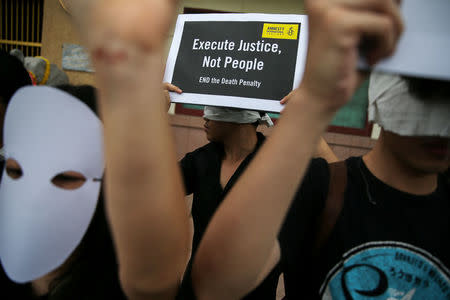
column 236, row 115
column 394, row 108
column 48, row 132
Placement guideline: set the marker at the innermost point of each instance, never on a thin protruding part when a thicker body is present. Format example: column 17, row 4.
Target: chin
column 209, row 137
column 433, row 167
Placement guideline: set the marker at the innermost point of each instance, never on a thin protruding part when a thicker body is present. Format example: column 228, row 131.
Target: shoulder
column 203, row 151
column 353, row 163
column 313, row 188
column 318, row 172
column 199, row 162
column 200, row 156
column 315, row 179
column 310, row 196
column 297, row 233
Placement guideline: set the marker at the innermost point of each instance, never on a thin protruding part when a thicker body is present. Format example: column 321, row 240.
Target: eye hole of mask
column 69, row 180
column 13, row 169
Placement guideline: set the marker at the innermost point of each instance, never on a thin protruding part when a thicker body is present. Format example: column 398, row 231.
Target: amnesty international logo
column 280, row 31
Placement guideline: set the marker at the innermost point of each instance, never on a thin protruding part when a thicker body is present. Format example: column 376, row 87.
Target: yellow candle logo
column 280, row 31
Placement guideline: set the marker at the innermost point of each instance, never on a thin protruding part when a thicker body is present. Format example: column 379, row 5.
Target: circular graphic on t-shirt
column 388, row 271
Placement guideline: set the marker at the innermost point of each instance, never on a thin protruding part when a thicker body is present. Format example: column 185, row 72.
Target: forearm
column 145, row 204
column 247, row 223
column 144, row 192
column 143, row 184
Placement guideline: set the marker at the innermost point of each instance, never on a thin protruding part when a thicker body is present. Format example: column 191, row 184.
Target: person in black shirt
column 380, row 243
column 210, row 171
column 377, row 244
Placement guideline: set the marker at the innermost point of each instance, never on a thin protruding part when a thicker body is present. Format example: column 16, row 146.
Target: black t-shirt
column 386, row 244
column 201, row 173
column 102, row 285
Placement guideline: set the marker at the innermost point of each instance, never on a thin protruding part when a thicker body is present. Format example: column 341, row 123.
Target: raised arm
column 144, row 193
column 243, row 232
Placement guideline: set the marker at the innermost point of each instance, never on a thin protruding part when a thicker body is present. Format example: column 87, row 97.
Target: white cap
column 234, row 115
column 394, row 108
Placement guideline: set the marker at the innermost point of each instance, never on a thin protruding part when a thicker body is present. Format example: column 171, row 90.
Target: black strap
column 333, row 203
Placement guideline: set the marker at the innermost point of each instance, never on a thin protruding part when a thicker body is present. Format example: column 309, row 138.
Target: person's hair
column 427, row 89
column 92, row 269
column 13, row 76
column 85, row 93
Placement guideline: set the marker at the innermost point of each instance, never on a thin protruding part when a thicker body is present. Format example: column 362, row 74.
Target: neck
column 41, row 285
column 395, row 173
column 240, row 143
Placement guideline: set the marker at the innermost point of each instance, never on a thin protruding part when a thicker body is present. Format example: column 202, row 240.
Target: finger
column 172, row 88
column 286, row 98
column 389, row 8
column 379, row 29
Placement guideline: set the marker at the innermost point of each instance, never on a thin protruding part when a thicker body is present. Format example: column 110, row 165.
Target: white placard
column 246, row 61
column 425, row 45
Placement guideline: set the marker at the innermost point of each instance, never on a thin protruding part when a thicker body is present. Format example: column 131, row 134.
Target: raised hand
column 142, row 23
column 144, row 190
column 244, row 229
column 168, row 87
column 337, row 28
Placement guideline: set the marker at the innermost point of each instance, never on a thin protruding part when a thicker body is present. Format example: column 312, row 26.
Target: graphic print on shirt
column 388, row 271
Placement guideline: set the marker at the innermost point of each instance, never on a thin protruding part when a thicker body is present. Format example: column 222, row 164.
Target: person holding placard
column 210, row 171
column 368, row 235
